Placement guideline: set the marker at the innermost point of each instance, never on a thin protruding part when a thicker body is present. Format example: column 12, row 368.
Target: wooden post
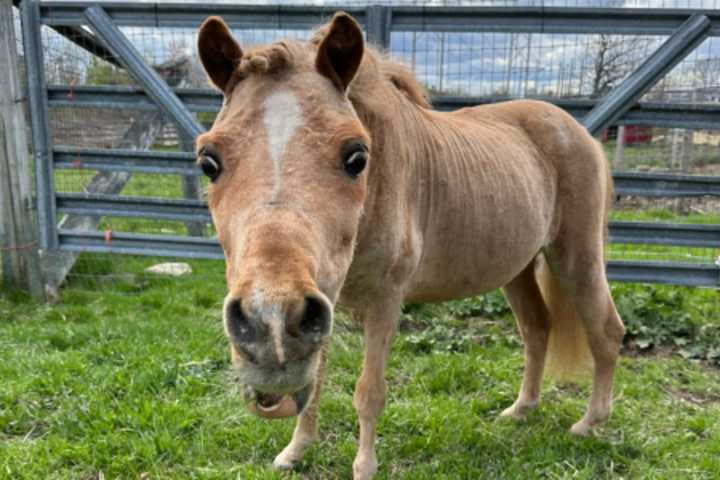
column 619, row 161
column 18, row 233
column 676, row 148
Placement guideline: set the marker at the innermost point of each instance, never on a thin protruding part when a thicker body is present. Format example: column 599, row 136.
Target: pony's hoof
column 364, row 469
column 581, row 429
column 285, row 461
column 518, row 411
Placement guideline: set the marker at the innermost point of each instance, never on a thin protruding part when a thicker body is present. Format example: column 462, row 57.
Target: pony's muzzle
column 272, row 406
column 276, row 348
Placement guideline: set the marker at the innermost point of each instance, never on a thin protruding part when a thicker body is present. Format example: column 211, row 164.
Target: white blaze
column 283, row 116
column 272, row 315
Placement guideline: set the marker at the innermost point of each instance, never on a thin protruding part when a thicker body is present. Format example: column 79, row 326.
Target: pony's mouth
column 278, row 405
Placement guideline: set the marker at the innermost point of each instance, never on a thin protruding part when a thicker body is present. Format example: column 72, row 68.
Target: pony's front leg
column 380, row 324
column 306, row 427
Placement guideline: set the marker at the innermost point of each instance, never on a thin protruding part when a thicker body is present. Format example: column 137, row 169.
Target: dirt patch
column 699, row 399
column 631, row 350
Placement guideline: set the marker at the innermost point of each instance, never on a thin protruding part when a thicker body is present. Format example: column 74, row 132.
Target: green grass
column 129, row 375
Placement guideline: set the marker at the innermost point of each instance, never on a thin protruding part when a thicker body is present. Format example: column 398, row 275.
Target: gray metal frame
column 677, row 115
column 134, row 64
column 40, row 122
column 686, row 29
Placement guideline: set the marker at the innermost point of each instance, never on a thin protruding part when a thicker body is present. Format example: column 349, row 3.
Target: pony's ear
column 219, row 52
column 341, row 51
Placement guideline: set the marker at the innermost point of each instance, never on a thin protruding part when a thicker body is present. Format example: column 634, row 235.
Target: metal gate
column 69, row 221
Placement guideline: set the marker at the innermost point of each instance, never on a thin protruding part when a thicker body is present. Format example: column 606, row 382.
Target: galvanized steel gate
column 686, row 29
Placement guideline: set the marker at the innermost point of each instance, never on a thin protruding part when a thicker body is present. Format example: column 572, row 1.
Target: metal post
column 42, row 139
column 623, row 97
column 192, row 188
column 155, row 87
column 379, row 20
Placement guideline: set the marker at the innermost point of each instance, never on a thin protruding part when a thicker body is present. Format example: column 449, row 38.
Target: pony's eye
column 210, row 166
column 355, row 159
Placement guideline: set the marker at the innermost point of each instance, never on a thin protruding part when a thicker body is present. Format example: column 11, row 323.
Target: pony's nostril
column 238, row 324
column 316, row 317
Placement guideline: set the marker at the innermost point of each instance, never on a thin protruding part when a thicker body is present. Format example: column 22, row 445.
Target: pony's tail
column 568, row 353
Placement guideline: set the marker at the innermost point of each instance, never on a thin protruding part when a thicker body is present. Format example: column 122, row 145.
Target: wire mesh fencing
column 487, row 64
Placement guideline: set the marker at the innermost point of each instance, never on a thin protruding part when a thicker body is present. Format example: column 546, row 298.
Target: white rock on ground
column 173, row 269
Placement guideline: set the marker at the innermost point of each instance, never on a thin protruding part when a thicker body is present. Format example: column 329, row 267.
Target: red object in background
column 633, row 134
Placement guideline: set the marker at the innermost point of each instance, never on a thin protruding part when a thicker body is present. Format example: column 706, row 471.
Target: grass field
column 128, row 377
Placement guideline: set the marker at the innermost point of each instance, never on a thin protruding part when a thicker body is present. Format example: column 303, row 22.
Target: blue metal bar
column 190, row 15
column 180, row 163
column 129, row 97
column 195, row 247
column 644, row 184
column 156, row 88
column 378, row 25
column 40, row 122
column 133, row 207
column 619, row 21
column 678, row 115
column 669, row 54
column 141, row 244
column 688, row 235
column 677, row 234
column 690, row 274
column 640, row 184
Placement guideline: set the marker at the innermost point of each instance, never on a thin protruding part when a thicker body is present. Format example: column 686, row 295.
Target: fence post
column 40, row 121
column 192, row 187
column 379, row 20
column 18, row 235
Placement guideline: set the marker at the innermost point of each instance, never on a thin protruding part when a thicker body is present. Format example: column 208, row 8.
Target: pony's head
column 286, row 157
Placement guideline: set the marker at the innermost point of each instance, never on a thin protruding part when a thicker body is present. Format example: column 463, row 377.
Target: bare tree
column 613, row 58
column 706, row 72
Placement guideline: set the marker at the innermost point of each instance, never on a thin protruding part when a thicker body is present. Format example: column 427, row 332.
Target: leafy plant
column 489, row 305
column 660, row 315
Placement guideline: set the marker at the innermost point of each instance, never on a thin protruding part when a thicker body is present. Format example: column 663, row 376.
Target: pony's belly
column 443, row 285
column 470, row 263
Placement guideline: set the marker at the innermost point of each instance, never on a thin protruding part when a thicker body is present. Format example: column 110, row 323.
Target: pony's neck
column 398, row 131
column 403, row 149
column 392, row 105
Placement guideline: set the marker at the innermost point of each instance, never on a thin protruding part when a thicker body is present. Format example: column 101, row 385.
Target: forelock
column 269, row 59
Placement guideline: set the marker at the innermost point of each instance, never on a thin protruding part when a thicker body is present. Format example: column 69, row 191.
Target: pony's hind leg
column 605, row 332
column 586, row 284
column 533, row 321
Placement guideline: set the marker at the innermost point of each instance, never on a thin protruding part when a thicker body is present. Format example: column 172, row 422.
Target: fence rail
column 193, row 247
column 677, row 115
column 687, row 235
column 380, row 22
column 634, row 21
